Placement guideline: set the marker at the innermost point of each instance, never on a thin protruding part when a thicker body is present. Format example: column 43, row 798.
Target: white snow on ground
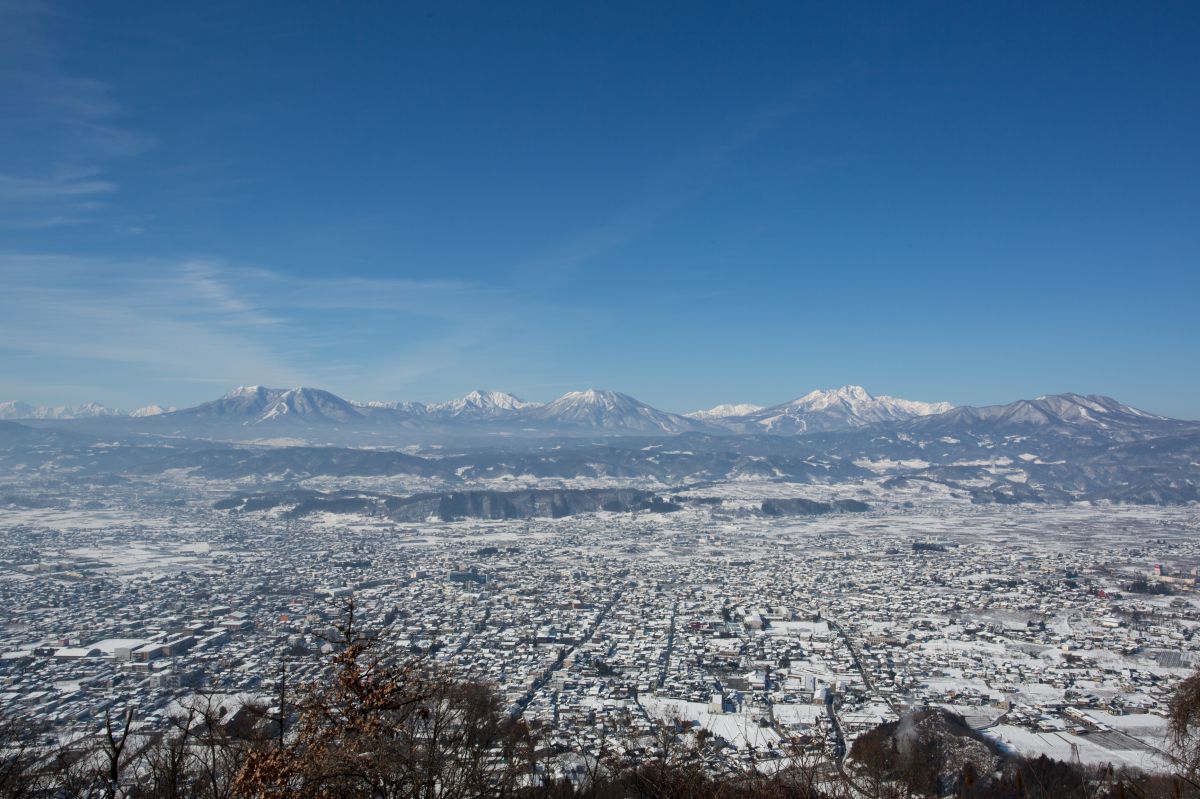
column 883, row 465
column 739, row 729
column 1094, row 748
column 110, row 645
column 279, row 441
column 977, row 716
column 799, row 629
column 806, row 715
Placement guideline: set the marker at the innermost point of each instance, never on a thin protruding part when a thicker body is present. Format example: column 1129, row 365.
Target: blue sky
column 692, row 203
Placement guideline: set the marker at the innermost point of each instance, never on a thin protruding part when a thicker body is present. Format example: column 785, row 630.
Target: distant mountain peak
column 824, row 396
column 1097, row 403
column 834, row 409
column 480, row 403
column 1068, row 413
column 257, row 404
column 406, row 406
column 847, row 392
column 495, row 399
column 306, row 403
column 151, row 410
column 725, row 411
column 597, row 396
column 245, row 391
column 602, row 409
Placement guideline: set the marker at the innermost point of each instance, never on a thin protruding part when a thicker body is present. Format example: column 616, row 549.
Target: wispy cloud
column 53, row 187
column 70, row 308
column 205, row 322
column 61, row 132
column 682, row 178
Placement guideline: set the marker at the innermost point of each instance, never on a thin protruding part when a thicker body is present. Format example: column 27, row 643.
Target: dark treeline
column 383, row 728
column 456, row 505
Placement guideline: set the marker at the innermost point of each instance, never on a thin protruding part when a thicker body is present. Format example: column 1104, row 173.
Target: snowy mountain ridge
column 15, row 409
column 596, row 409
column 481, row 403
column 725, row 411
column 834, row 409
column 1064, row 413
column 151, row 410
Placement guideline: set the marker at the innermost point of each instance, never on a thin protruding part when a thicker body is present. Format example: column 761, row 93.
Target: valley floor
column 1055, row 629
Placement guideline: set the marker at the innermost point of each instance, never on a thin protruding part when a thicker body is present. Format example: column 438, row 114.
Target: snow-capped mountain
column 406, row 407
column 833, row 409
column 258, row 404
column 15, row 409
column 1063, row 413
column 309, row 404
column 725, row 411
column 151, row 410
column 244, row 403
column 481, row 405
column 609, row 410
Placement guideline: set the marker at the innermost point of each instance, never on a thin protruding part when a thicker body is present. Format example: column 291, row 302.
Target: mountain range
column 258, row 409
column 1055, row 449
column 258, row 412
column 15, row 409
column 1064, row 413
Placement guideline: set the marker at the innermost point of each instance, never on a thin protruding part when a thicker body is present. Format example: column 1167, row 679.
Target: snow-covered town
column 1057, row 630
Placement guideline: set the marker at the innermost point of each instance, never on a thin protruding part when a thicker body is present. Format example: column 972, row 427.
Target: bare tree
column 388, row 728
column 1183, row 716
column 115, row 752
column 17, row 760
